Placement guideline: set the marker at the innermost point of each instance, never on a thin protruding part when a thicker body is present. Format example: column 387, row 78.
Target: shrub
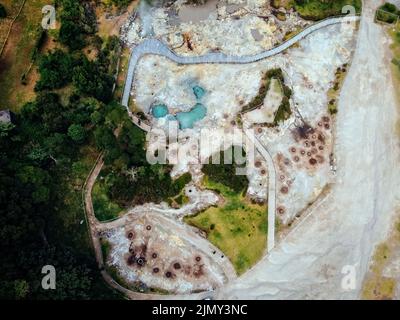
column 3, row 12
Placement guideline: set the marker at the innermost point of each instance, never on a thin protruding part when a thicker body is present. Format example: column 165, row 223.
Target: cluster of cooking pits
column 141, row 256
column 310, row 151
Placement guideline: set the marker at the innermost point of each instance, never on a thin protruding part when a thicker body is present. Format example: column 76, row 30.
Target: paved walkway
column 186, row 232
column 271, row 187
column 157, row 47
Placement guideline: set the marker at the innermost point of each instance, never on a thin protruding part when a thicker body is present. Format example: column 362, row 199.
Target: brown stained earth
column 143, row 255
column 309, row 151
column 110, row 20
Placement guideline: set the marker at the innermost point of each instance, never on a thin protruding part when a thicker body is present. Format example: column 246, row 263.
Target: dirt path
column 343, row 230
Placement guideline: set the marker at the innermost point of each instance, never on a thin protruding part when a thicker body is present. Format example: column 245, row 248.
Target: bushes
column 3, row 12
column 89, row 80
column 77, row 20
column 317, row 9
column 387, row 13
column 321, row 9
column 226, row 174
column 284, row 111
column 55, row 70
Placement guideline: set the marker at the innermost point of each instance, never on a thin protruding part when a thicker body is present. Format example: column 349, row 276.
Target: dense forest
column 46, row 153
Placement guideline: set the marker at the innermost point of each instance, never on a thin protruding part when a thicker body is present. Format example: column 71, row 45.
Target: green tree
column 89, row 80
column 71, row 35
column 55, row 70
column 3, row 12
column 77, row 133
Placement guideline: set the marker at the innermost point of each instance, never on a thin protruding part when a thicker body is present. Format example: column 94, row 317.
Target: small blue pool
column 159, row 110
column 188, row 119
column 198, row 92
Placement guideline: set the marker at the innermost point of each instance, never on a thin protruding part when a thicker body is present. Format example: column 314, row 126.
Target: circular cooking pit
column 154, row 255
column 284, row 190
column 141, row 261
column 281, row 210
column 168, row 274
column 177, row 266
column 148, row 227
column 198, row 258
column 156, row 270
column 313, row 161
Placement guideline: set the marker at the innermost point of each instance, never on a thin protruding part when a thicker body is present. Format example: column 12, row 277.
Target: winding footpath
column 157, row 47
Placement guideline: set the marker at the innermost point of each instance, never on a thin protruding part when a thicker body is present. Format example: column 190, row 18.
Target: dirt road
column 341, row 233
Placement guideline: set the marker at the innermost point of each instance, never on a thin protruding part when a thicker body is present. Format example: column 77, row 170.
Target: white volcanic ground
column 233, row 27
column 309, row 69
column 343, row 230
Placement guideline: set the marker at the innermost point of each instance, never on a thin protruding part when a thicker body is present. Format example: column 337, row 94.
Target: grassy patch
column 284, row 112
column 16, row 78
column 105, row 249
column 226, row 173
column 238, row 227
column 123, row 69
column 378, row 285
column 333, row 93
column 317, row 9
column 104, row 208
column 387, row 13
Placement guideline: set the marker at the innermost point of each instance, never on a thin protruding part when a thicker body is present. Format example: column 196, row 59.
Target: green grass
column 16, row 58
column 238, row 227
column 284, row 111
column 105, row 249
column 317, row 9
column 104, row 208
column 333, row 93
